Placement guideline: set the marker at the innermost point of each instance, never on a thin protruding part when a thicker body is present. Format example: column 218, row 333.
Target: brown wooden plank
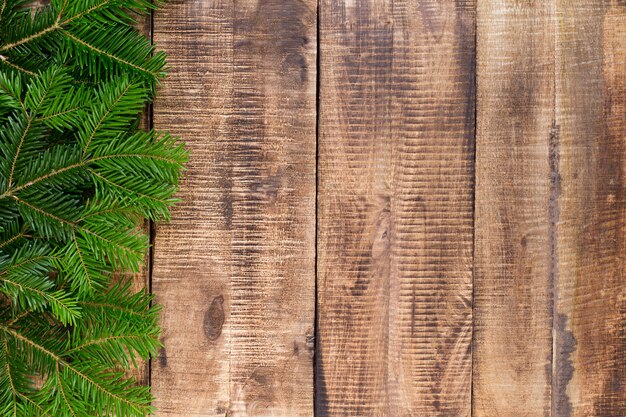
column 234, row 270
column 550, row 292
column 395, row 208
column 515, row 209
column 589, row 373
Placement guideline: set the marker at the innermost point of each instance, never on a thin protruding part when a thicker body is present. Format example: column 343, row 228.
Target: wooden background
column 393, row 208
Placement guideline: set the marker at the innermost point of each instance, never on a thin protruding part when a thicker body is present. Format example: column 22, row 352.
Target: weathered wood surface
column 589, row 153
column 395, row 168
column 446, row 285
column 234, row 270
column 550, row 293
column 515, row 209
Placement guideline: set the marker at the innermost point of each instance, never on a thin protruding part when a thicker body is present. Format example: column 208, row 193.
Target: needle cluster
column 77, row 179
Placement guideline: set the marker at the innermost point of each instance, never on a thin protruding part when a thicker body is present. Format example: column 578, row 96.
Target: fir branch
column 76, row 179
column 11, row 191
column 61, row 113
column 17, row 152
column 60, row 362
column 107, row 111
column 2, row 8
column 30, row 38
column 13, row 239
column 110, row 306
column 44, row 212
column 4, row 60
column 14, row 390
column 18, row 317
column 128, row 190
column 90, row 281
column 62, row 392
column 87, row 31
column 11, row 87
column 58, row 24
column 111, row 56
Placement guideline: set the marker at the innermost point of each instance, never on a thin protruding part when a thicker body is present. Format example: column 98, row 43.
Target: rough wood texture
column 515, row 209
column 234, row 270
column 550, row 209
column 396, row 128
column 589, row 375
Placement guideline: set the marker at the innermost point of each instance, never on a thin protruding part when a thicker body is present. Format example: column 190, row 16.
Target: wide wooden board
column 234, row 270
column 516, row 209
column 395, row 208
column 550, row 292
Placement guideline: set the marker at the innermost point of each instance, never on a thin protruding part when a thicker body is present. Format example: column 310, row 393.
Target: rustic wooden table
column 394, row 208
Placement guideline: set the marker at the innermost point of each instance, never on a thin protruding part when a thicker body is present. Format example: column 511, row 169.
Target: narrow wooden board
column 395, row 201
column 589, row 372
column 234, row 270
column 516, row 212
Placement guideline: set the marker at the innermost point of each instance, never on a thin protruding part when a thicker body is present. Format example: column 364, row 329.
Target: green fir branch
column 77, row 179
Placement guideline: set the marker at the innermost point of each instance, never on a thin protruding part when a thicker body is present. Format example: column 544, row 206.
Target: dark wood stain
column 272, row 150
column 563, row 367
column 162, row 358
column 564, row 344
column 214, row 318
column 433, row 16
column 226, row 186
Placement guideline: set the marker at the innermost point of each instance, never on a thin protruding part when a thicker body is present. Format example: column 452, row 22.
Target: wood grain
column 516, row 209
column 396, row 128
column 589, row 371
column 396, row 229
column 550, row 210
column 234, row 270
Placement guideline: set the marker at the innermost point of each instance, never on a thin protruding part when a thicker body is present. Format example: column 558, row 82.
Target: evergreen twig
column 77, row 178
